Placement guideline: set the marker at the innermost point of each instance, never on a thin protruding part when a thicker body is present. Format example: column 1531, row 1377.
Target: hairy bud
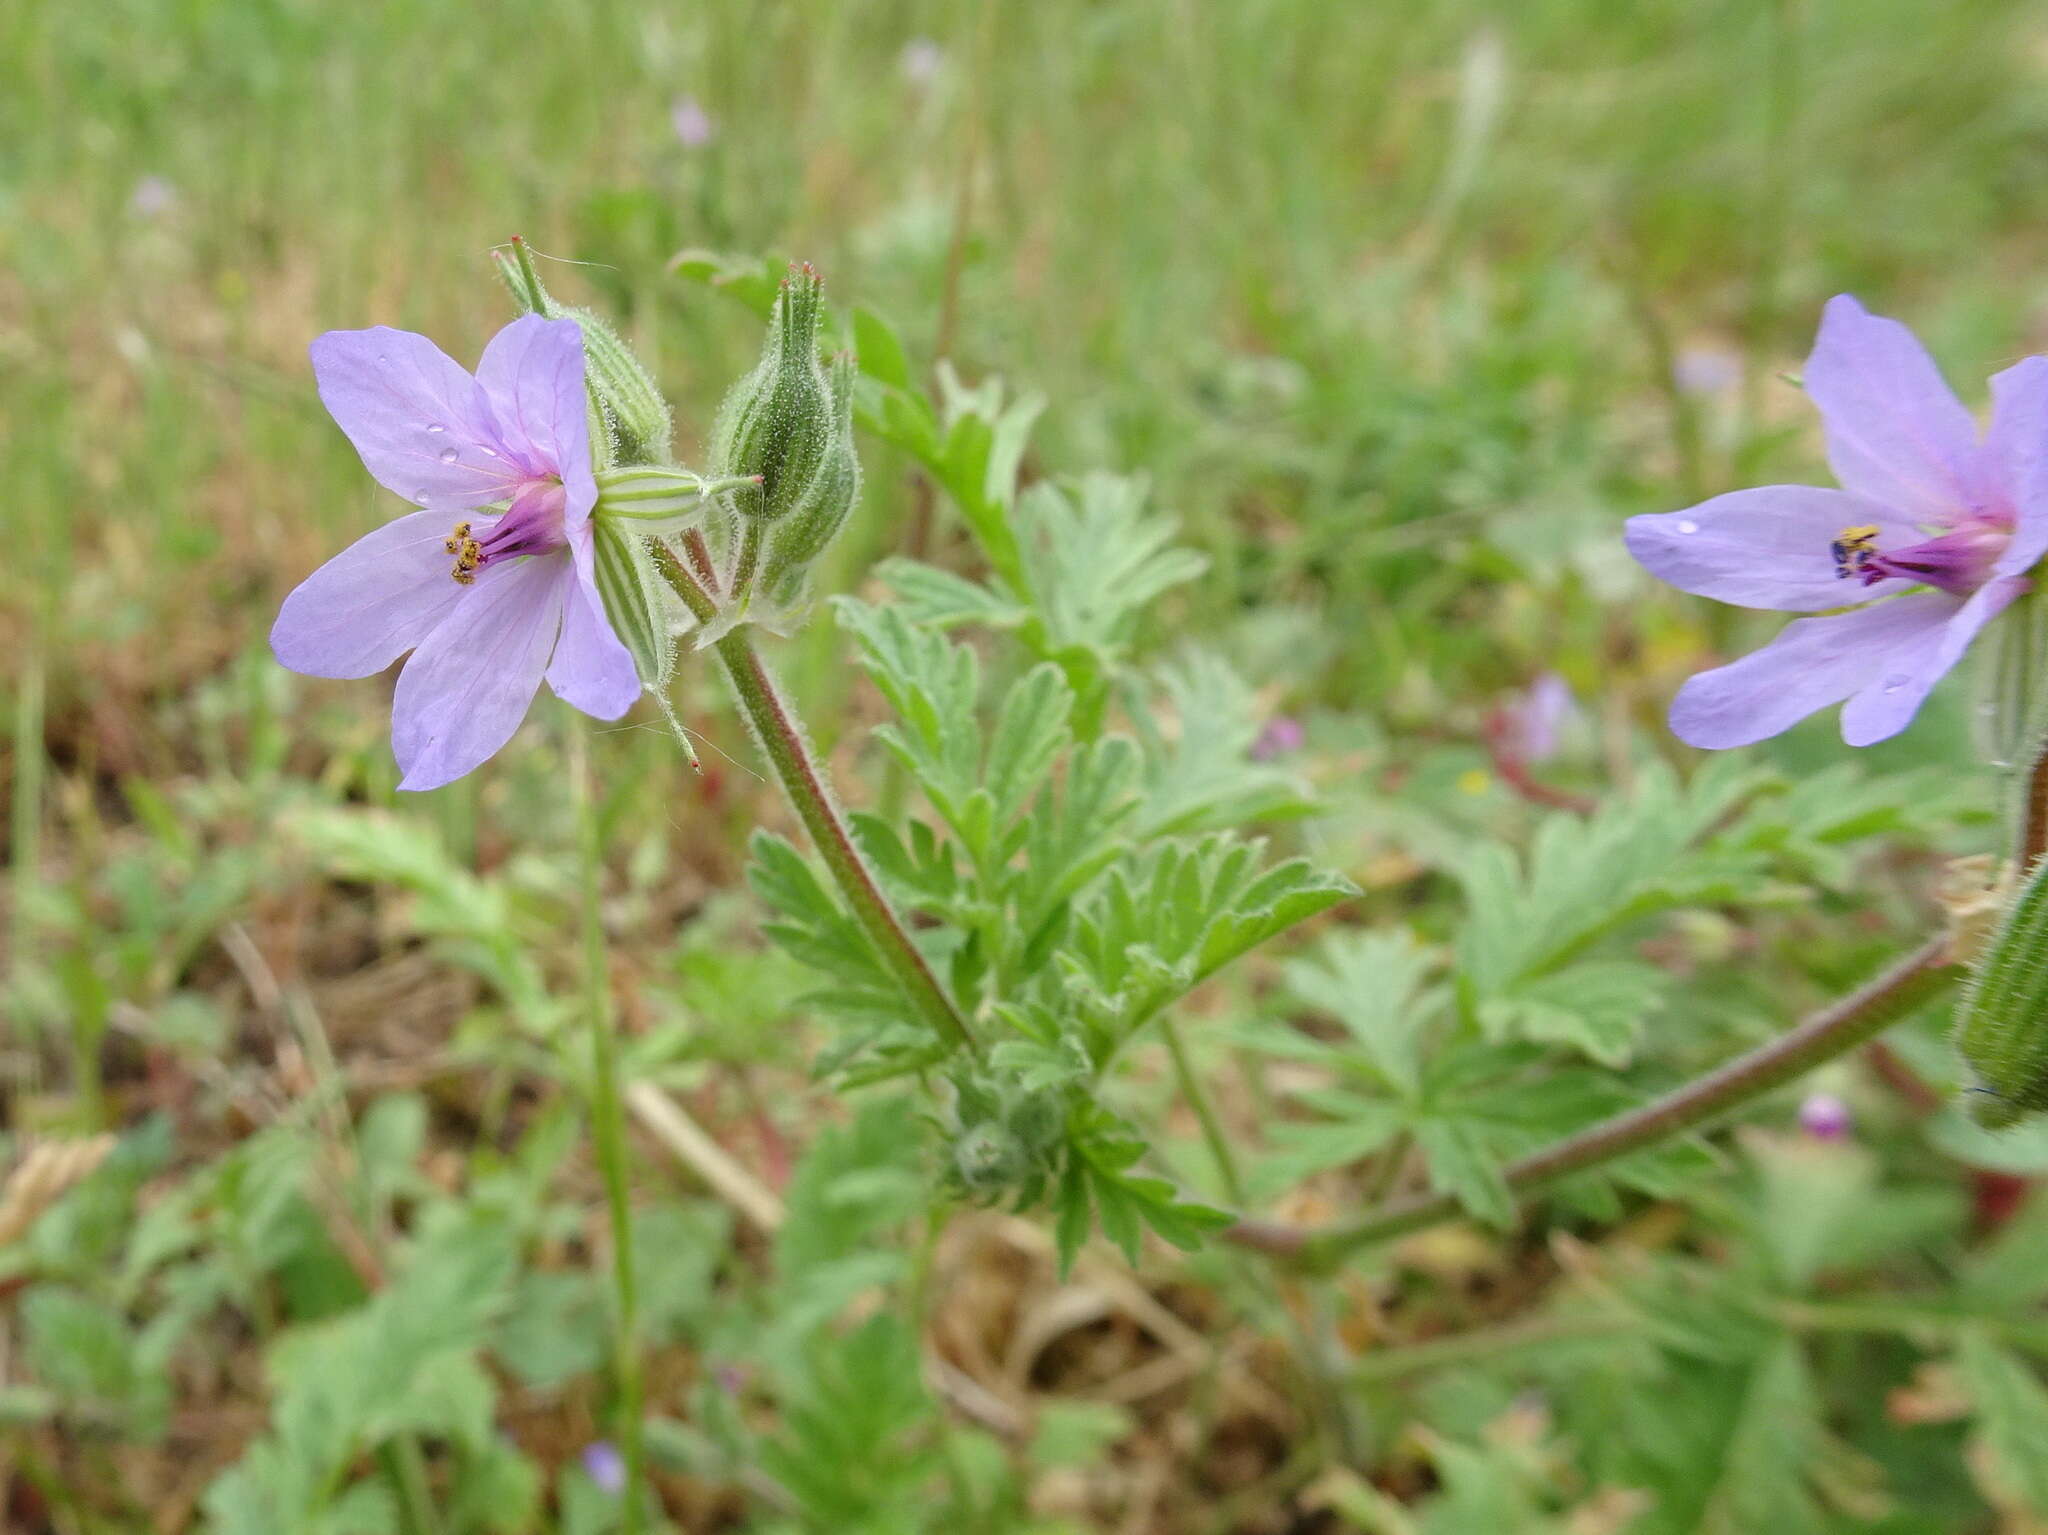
column 2002, row 1023
column 1007, row 1138
column 806, row 533
column 779, row 423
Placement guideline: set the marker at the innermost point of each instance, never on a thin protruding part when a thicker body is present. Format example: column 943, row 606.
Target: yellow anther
column 1854, row 549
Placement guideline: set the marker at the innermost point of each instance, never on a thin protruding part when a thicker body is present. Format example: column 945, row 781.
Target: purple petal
column 592, row 668
column 1764, row 548
column 1896, row 434
column 1887, row 705
column 1813, row 663
column 469, row 684
column 371, row 603
column 532, row 374
column 2013, row 461
column 419, row 421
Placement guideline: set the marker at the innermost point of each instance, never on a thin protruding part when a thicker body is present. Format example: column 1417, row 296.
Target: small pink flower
column 1282, row 736
column 152, row 198
column 1935, row 521
column 693, row 125
column 1825, row 1117
column 1706, row 370
column 605, row 1466
column 921, row 61
column 491, row 587
column 1536, row 717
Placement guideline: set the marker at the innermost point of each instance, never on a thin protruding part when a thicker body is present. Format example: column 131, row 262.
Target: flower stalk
column 802, row 778
column 608, row 1131
column 1834, row 1030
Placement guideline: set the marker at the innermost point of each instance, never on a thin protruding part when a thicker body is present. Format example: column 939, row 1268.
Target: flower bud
column 623, row 388
column 2002, row 1023
column 624, row 400
column 778, row 422
column 806, row 533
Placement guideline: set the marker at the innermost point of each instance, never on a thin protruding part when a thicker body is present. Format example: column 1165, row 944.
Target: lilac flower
column 488, row 601
column 1536, row 716
column 1705, row 370
column 1281, row 736
column 603, row 1464
column 1935, row 521
column 693, row 125
column 921, row 60
column 152, row 198
column 1825, row 1117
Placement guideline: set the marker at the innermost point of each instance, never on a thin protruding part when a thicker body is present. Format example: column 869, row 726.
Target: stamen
column 1854, row 549
column 469, row 554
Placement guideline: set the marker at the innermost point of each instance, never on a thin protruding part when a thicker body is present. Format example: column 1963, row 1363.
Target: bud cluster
column 1007, row 1138
column 789, row 426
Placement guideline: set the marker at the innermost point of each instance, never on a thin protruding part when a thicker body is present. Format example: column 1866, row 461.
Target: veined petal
column 592, row 669
column 471, row 680
column 1813, row 663
column 1886, row 706
column 1896, row 434
column 532, row 375
column 2013, row 461
column 1764, row 548
column 371, row 603
column 419, row 421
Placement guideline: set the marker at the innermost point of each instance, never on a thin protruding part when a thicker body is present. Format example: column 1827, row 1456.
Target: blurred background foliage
column 1400, row 309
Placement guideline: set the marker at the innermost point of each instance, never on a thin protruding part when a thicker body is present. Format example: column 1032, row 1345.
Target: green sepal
column 2002, row 1021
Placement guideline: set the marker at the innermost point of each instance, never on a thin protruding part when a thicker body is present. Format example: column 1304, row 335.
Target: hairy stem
column 2032, row 840
column 803, row 779
column 1832, row 1031
column 750, row 557
column 608, row 1130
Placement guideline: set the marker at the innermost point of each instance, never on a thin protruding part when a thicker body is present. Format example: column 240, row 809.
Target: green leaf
column 943, row 600
column 1303, row 1150
column 933, row 685
column 1586, row 877
column 1029, row 733
column 1072, row 834
column 1598, row 1007
column 753, row 280
column 1099, row 558
column 2012, row 1409
column 880, row 349
column 1769, row 1451
column 496, row 1491
column 1284, row 895
column 1463, row 1163
column 1205, row 777
column 1371, row 982
column 817, row 930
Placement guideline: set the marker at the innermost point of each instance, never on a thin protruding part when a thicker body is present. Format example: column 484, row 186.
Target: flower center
column 1958, row 561
column 533, row 525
